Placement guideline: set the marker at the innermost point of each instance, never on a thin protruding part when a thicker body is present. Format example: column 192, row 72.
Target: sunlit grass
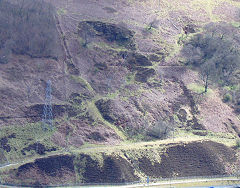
column 97, row 115
column 23, row 136
column 82, row 81
column 199, row 89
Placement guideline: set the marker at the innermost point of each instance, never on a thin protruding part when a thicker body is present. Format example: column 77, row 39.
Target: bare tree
column 31, row 27
column 208, row 72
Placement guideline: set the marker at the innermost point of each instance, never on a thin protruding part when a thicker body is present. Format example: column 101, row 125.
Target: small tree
column 208, row 72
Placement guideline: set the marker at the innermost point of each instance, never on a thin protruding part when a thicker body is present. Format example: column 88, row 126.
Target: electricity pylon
column 47, row 119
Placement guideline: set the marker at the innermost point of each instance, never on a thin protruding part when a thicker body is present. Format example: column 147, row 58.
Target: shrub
column 227, row 98
column 159, row 130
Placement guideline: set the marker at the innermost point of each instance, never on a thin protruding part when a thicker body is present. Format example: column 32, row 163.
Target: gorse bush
column 27, row 27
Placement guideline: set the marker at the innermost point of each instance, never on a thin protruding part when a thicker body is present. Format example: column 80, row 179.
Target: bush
column 227, row 98
column 159, row 130
column 27, row 27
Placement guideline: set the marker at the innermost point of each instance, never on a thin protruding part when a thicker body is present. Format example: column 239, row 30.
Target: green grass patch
column 236, row 24
column 61, row 11
column 94, row 112
column 196, row 88
column 199, row 89
column 130, row 78
column 21, row 137
column 82, row 81
column 112, row 95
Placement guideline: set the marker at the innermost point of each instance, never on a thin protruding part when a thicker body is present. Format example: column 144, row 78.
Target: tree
column 208, row 72
column 215, row 54
column 31, row 28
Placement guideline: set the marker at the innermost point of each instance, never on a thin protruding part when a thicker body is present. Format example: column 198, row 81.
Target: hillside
column 139, row 89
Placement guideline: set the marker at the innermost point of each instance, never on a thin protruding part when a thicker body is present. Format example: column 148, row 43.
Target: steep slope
column 119, row 77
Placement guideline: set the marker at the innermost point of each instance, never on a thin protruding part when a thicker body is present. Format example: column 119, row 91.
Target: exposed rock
column 111, row 32
column 135, row 59
column 144, row 74
column 105, row 108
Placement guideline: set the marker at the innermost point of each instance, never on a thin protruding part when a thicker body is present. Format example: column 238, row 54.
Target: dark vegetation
column 38, row 148
column 144, row 74
column 159, row 130
column 110, row 32
column 4, row 142
column 180, row 160
column 114, row 170
column 27, row 27
column 138, row 62
column 82, row 168
column 52, row 164
column 193, row 159
column 46, row 171
column 106, row 109
column 215, row 53
column 34, row 112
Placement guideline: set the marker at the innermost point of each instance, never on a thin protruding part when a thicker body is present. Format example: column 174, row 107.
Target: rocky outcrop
column 108, row 31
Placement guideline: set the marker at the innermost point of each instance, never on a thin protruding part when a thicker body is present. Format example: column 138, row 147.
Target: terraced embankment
column 121, row 164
